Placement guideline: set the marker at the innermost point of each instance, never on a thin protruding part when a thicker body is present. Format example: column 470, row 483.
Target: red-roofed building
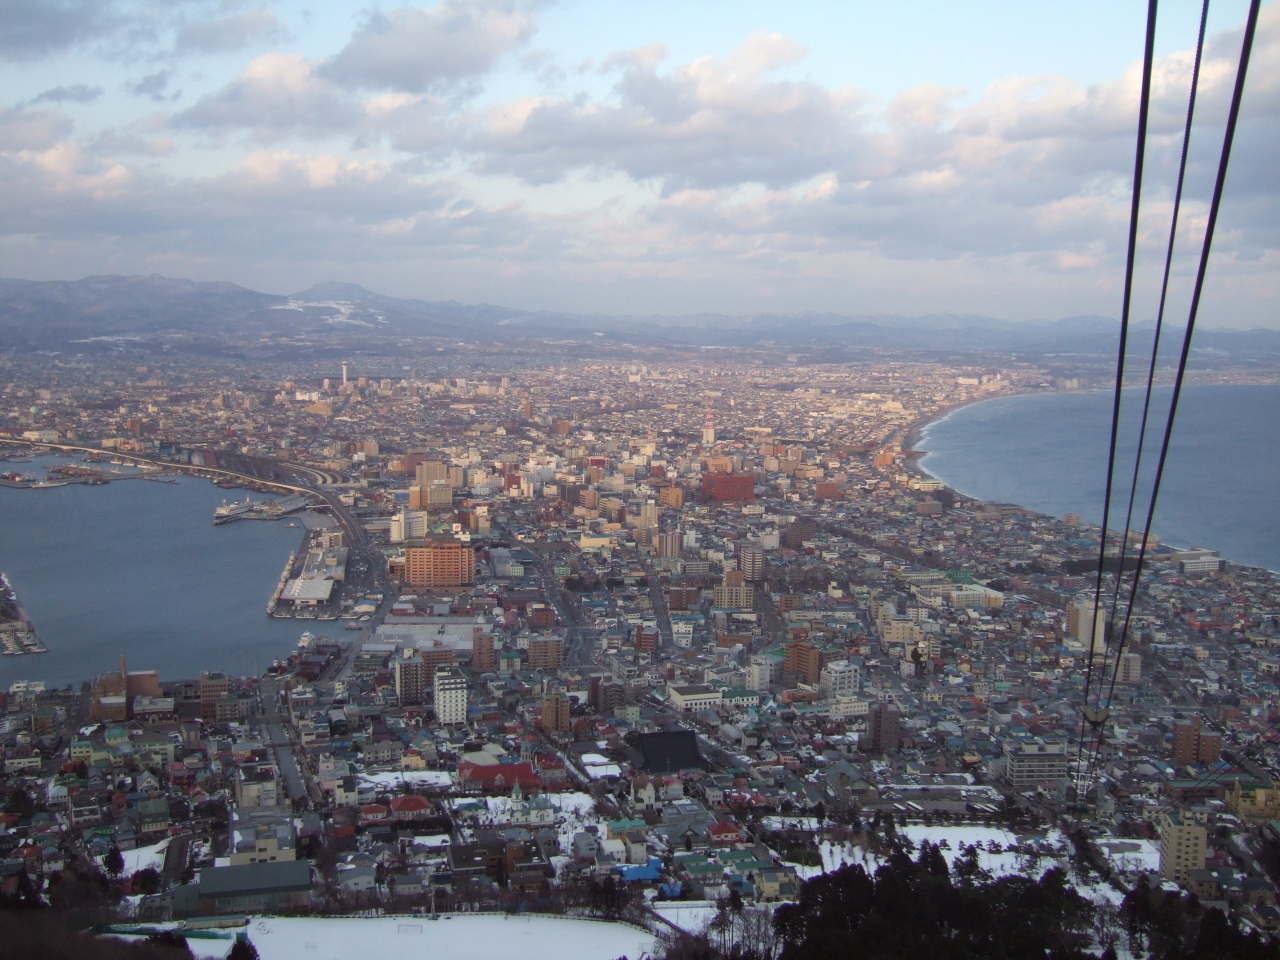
column 410, row 807
column 498, row 778
column 374, row 813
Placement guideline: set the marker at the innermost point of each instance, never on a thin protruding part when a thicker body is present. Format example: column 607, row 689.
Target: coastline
column 915, row 432
column 915, row 435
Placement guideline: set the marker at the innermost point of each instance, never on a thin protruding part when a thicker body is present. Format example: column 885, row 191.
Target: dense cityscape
column 629, row 639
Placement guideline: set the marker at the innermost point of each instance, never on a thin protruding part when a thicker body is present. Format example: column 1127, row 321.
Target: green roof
column 283, row 876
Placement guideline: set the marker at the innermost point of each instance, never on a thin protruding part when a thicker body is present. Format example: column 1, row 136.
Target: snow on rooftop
column 439, row 779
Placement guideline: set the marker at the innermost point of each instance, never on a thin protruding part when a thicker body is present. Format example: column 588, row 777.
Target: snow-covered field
column 476, row 937
column 691, row 916
column 1004, row 852
column 143, row 857
column 456, row 937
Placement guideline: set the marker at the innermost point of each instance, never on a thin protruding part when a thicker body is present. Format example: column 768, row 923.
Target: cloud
column 229, row 33
column 32, row 29
column 154, row 85
column 275, row 96
column 708, row 124
column 25, row 129
column 76, row 93
column 416, row 49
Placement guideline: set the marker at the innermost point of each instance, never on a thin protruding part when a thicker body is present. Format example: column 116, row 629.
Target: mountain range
column 75, row 315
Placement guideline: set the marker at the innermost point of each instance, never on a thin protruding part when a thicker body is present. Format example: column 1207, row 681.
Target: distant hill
column 73, row 315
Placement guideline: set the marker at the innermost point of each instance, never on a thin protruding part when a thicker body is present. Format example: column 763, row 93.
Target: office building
column 1037, row 762
column 840, row 678
column 729, row 487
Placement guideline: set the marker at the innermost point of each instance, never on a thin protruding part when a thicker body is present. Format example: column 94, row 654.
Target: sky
column 639, row 157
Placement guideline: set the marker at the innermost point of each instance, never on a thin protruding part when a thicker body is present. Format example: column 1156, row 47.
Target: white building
column 840, row 678
column 697, row 696
column 450, row 695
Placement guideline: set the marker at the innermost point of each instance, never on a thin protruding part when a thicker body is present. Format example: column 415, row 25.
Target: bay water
column 1048, row 452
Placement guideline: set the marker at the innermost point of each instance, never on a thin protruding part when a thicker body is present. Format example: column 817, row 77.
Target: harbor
column 17, row 635
column 247, row 509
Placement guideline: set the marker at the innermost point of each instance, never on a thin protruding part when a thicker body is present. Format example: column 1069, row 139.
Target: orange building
column 483, row 657
column 439, row 561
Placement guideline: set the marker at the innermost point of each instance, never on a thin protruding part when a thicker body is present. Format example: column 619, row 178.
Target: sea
column 136, row 567
column 1048, row 452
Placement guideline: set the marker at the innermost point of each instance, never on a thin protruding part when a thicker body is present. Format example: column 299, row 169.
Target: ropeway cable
column 1144, row 106
column 1215, row 205
column 1151, row 371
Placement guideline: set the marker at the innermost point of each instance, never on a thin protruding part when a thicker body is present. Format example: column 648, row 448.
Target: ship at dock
column 17, row 636
column 247, row 509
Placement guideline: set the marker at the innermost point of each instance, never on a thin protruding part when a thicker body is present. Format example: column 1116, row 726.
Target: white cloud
column 416, row 49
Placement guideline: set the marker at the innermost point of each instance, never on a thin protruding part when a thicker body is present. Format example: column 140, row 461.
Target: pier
column 17, row 636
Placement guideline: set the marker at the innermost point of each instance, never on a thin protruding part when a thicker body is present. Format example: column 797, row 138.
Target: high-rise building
column 1193, row 745
column 1182, row 847
column 1084, row 622
column 1131, row 668
column 431, row 471
column 751, row 562
column 798, row 531
column 802, row 663
column 546, row 653
column 450, row 696
column 669, row 544
column 483, row 656
column 883, row 729
column 840, row 678
column 439, row 560
column 212, row 686
column 555, row 710
column 733, row 593
column 729, row 487
column 648, row 514
column 411, row 678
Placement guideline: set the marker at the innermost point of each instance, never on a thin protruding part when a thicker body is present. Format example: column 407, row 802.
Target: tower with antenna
column 708, row 428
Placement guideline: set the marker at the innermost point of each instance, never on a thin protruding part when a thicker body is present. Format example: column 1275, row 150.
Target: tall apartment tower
column 751, row 562
column 555, row 711
column 483, row 656
column 1131, row 668
column 1193, row 745
column 546, row 653
column 884, row 732
column 708, row 429
column 1182, row 847
column 1085, row 622
column 411, row 678
column 450, row 696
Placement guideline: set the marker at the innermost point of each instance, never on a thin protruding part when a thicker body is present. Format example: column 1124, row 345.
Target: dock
column 17, row 636
column 284, row 578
